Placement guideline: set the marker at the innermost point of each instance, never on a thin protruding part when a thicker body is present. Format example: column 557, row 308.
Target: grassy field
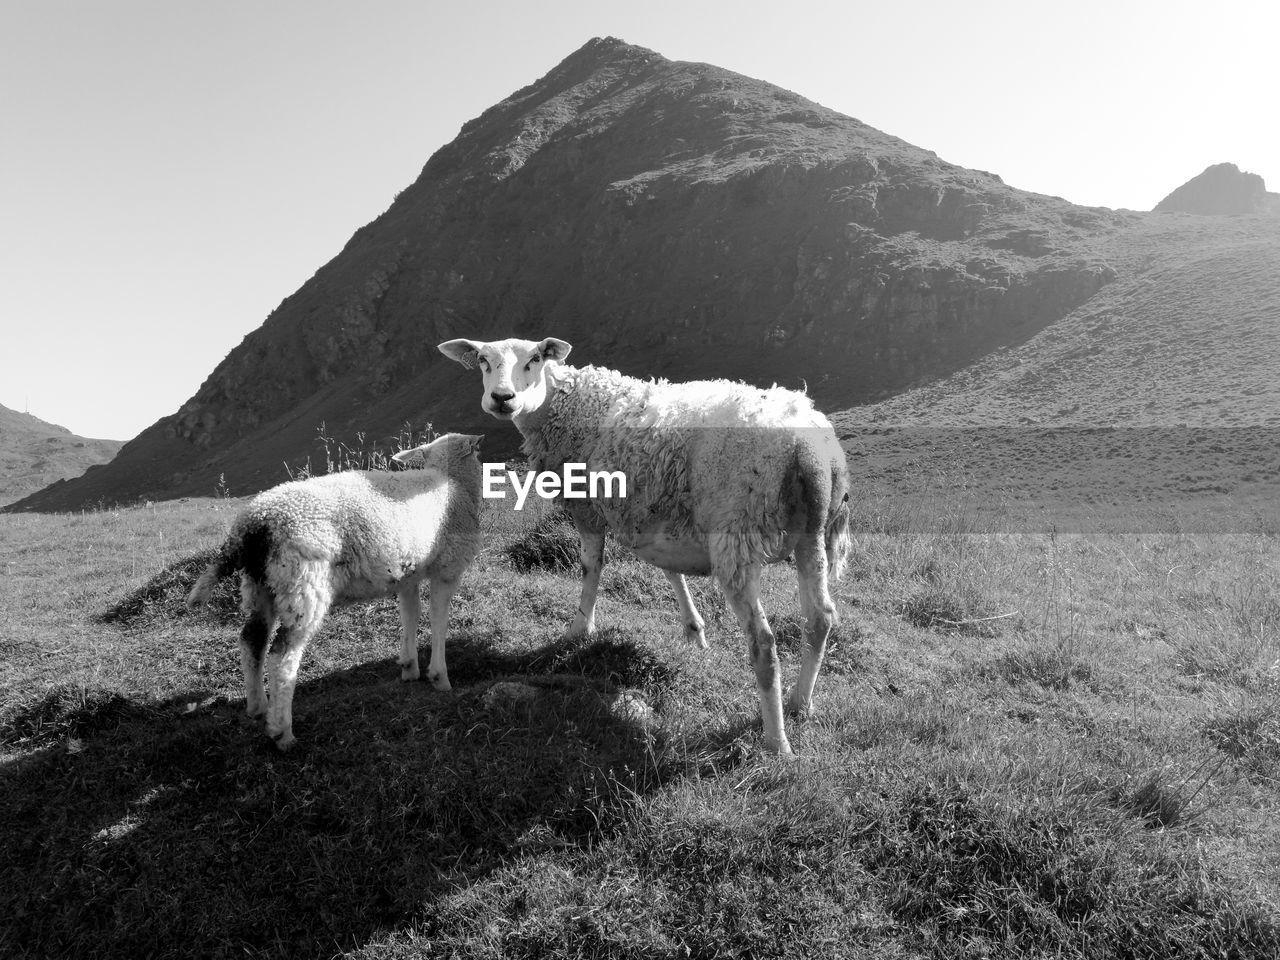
column 1028, row 745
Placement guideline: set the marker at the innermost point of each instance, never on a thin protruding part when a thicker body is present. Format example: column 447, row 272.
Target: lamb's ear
column 553, row 349
column 409, row 458
column 465, row 352
column 476, row 440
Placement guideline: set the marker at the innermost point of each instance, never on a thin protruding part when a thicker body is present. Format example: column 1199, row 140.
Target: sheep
column 305, row 545
column 724, row 477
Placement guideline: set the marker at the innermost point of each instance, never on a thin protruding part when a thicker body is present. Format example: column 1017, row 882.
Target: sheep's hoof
column 284, row 741
column 801, row 711
column 409, row 672
column 440, row 682
column 580, row 629
column 780, row 748
column 696, row 636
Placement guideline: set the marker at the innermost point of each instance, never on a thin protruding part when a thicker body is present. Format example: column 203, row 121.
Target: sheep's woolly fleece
column 714, row 460
column 363, row 532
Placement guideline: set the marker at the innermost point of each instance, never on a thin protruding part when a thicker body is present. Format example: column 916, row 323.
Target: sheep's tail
column 203, row 588
column 244, row 549
column 839, row 541
column 824, row 482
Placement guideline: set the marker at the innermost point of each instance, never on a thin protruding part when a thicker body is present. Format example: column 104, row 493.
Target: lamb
column 724, row 478
column 305, row 545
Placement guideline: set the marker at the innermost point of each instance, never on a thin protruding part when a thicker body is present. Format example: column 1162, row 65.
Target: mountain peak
column 1221, row 190
column 610, row 50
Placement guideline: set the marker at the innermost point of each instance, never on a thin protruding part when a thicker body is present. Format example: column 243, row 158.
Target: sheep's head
column 514, row 371
column 440, row 452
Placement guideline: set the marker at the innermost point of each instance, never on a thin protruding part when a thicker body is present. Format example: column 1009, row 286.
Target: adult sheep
column 723, row 478
column 305, row 545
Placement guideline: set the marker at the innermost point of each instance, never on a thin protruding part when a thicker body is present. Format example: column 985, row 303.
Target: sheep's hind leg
column 819, row 619
column 254, row 637
column 743, row 593
column 410, row 610
column 442, row 592
column 584, row 624
column 282, row 667
column 694, row 625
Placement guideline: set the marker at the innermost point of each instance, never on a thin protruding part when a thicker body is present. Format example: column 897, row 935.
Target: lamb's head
column 442, row 454
column 514, row 371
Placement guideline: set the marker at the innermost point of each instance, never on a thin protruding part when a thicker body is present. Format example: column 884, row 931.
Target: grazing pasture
column 1026, row 745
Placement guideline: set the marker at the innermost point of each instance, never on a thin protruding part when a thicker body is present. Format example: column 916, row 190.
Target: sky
column 171, row 170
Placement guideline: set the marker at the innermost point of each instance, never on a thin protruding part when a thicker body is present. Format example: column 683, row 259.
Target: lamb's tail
column 824, row 478
column 839, row 541
column 244, row 549
column 215, row 571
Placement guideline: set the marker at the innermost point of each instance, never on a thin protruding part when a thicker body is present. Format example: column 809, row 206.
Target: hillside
column 34, row 454
column 665, row 217
column 1159, row 395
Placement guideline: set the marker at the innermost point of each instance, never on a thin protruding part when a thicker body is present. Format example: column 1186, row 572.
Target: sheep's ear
column 465, row 352
column 476, row 440
column 553, row 349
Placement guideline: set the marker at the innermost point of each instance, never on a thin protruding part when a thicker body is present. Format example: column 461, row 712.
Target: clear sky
column 170, row 170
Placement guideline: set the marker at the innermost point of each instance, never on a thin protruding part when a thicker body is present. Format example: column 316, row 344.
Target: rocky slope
column 1154, row 405
column 667, row 218
column 34, row 454
column 1221, row 190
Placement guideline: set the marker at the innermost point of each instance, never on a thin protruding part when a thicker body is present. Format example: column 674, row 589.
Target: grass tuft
column 551, row 544
column 67, row 712
column 1156, row 801
column 164, row 596
column 978, row 877
column 1058, row 667
column 962, row 611
column 1251, row 736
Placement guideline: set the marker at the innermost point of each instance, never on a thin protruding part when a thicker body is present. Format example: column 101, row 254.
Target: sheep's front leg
column 410, row 609
column 742, row 590
column 442, row 592
column 694, row 625
column 584, row 624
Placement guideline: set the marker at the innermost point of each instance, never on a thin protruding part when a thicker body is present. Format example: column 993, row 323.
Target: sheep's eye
column 528, row 365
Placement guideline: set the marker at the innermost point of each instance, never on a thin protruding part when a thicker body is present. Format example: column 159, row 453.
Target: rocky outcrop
column 667, row 218
column 1222, row 190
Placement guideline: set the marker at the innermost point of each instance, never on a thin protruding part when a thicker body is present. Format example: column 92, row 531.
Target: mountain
column 666, row 218
column 1221, row 190
column 34, row 454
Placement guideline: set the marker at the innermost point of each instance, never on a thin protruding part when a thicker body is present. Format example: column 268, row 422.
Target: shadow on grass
column 169, row 828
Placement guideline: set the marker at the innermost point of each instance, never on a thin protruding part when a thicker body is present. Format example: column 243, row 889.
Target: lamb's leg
column 693, row 623
column 296, row 631
column 819, row 618
column 442, row 592
column 742, row 590
column 410, row 609
column 254, row 637
column 584, row 624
